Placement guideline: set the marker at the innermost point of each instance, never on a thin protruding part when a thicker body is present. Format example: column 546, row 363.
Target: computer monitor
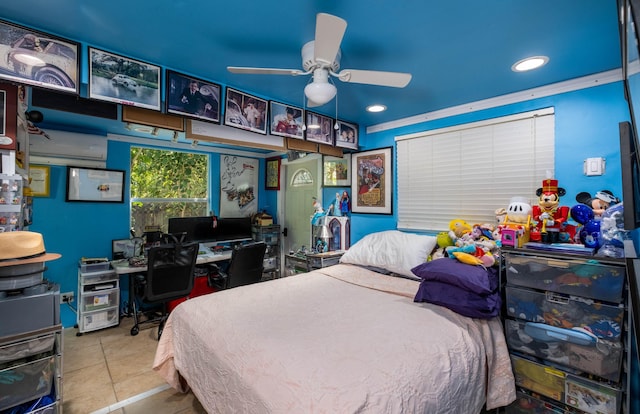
column 197, row 229
column 233, row 230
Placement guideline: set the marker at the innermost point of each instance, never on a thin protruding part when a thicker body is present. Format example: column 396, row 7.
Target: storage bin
column 601, row 319
column 98, row 320
column 99, row 300
column 602, row 358
column 26, row 382
column 27, row 348
column 589, row 396
column 98, row 277
column 527, row 404
column 589, row 278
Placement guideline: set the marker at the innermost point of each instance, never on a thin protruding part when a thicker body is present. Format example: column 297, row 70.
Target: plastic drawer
column 589, row 396
column 26, row 382
column 527, row 404
column 27, row 348
column 589, row 278
column 98, row 320
column 603, row 358
column 602, row 320
column 98, row 277
column 101, row 299
column 94, row 267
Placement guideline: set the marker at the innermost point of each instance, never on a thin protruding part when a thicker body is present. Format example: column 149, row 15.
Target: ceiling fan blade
column 372, row 77
column 264, row 71
column 329, row 32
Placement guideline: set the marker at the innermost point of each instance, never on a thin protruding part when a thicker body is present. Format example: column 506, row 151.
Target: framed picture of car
column 245, row 111
column 192, row 97
column 319, row 128
column 347, row 135
column 37, row 58
column 286, row 120
column 122, row 80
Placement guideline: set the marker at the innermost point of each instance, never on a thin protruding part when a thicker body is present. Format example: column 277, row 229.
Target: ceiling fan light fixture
column 529, row 63
column 320, row 93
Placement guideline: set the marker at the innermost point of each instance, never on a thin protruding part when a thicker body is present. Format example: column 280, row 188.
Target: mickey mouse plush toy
column 601, row 201
column 548, row 214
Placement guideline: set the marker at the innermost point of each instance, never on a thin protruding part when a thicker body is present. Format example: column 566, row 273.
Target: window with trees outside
column 166, row 184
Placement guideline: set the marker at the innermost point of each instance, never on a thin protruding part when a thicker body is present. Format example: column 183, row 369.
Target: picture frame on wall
column 119, row 79
column 39, row 59
column 39, row 180
column 272, row 176
column 336, row 171
column 192, row 97
column 9, row 97
column 347, row 135
column 245, row 111
column 372, row 181
column 95, row 185
column 286, row 120
column 319, row 128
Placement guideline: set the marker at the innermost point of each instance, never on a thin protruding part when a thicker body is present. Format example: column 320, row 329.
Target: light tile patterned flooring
column 109, row 371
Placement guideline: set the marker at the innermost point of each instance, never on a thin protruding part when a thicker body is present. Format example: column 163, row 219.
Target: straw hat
column 23, row 247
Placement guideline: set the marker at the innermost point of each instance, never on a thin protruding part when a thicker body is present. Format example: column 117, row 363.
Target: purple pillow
column 474, row 279
column 459, row 300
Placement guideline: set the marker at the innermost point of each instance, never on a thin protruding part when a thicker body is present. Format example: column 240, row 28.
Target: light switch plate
column 594, row 166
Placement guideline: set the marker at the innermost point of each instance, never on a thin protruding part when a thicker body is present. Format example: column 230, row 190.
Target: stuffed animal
column 601, row 201
column 548, row 213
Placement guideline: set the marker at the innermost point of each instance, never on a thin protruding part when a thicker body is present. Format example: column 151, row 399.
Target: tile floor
column 109, row 371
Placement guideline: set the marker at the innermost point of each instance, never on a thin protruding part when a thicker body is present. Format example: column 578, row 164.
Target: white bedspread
column 320, row 342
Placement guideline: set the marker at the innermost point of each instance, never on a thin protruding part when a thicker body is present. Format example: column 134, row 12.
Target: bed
column 347, row 338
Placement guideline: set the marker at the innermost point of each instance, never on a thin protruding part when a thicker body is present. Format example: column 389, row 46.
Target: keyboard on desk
column 138, row 261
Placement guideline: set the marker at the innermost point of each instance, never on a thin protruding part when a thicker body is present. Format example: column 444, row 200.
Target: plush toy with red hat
column 548, row 213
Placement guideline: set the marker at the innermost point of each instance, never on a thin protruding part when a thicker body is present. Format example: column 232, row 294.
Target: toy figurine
column 548, row 214
column 319, row 212
column 345, row 203
column 601, row 201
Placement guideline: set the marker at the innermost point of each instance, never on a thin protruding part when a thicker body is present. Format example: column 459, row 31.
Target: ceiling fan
column 321, row 57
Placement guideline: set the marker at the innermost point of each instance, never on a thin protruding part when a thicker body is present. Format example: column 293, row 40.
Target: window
column 469, row 171
column 166, row 184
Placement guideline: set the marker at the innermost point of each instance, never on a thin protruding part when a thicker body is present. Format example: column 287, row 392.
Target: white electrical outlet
column 67, row 297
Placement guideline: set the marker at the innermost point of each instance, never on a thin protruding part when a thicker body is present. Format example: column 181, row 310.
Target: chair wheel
column 134, row 331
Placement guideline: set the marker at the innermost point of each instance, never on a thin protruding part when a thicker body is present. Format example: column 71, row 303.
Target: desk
column 205, row 255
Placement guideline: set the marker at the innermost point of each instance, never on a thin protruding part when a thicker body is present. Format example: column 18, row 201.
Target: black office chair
column 169, row 276
column 245, row 267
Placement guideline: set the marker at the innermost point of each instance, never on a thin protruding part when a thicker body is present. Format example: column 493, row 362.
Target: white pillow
column 392, row 250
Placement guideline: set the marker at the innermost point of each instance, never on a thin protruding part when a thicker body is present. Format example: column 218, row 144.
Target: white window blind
column 469, row 171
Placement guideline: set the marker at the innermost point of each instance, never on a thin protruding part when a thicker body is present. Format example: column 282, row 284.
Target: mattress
column 339, row 339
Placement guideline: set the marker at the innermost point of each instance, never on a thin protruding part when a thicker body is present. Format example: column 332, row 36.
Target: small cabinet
column 271, row 236
column 98, row 297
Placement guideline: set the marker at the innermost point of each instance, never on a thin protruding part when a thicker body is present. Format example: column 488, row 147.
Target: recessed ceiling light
column 376, row 108
column 529, row 63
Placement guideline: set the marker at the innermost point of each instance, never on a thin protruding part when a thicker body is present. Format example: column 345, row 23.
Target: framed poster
column 245, row 111
column 347, row 135
column 192, row 97
column 39, row 180
column 95, row 185
column 286, row 120
column 122, row 80
column 39, row 59
column 9, row 116
column 319, row 128
column 371, row 181
column 272, row 175
column 238, row 186
column 336, row 172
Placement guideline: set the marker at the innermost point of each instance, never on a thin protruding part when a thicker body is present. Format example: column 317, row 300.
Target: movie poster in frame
column 36, row 58
column 347, row 135
column 272, row 175
column 192, row 97
column 123, row 80
column 245, row 111
column 319, row 128
column 372, row 181
column 286, row 120
column 336, row 171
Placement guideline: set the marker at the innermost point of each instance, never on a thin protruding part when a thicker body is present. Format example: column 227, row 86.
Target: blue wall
column 586, row 126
